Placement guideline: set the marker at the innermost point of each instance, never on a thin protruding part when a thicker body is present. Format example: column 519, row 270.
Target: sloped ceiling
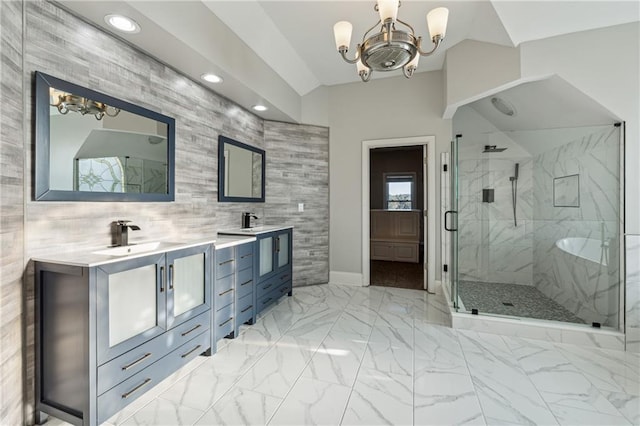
column 275, row 52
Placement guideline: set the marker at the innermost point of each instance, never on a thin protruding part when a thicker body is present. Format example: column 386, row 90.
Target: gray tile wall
column 298, row 172
column 11, row 213
column 91, row 58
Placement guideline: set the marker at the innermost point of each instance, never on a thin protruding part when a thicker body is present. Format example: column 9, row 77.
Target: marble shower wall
column 492, row 247
column 92, row 58
column 588, row 289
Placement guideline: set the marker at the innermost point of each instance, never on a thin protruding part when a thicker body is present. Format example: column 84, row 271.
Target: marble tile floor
column 513, row 300
column 370, row 355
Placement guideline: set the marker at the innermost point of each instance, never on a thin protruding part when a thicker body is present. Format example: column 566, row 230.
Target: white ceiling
column 274, row 52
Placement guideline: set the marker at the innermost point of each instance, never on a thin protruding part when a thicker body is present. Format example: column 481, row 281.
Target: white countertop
column 99, row 255
column 256, row 230
column 224, row 241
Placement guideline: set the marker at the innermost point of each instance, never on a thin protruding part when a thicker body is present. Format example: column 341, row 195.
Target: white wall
column 380, row 109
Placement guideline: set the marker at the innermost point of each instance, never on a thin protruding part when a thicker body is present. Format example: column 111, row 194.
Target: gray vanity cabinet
column 274, row 266
column 234, row 289
column 105, row 334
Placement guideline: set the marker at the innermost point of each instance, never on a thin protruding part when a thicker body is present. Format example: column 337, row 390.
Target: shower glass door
column 536, row 223
column 451, row 221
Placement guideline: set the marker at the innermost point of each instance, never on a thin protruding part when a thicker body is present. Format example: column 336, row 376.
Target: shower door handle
column 445, row 220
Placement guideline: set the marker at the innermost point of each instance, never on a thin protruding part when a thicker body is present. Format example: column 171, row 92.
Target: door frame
column 430, row 208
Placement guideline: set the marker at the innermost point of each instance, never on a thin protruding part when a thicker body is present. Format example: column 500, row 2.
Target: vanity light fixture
column 122, row 23
column 390, row 48
column 211, row 78
column 66, row 102
column 259, row 108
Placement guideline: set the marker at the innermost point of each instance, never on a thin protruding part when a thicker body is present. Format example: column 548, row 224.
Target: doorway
column 398, row 192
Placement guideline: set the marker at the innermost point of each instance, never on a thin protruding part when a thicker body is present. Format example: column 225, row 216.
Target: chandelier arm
column 343, row 52
column 407, row 25
column 364, row 37
column 436, row 40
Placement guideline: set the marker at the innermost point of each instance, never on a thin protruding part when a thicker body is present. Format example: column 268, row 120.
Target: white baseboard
column 345, row 278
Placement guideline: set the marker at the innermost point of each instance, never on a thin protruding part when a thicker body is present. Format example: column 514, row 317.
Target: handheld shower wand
column 514, row 192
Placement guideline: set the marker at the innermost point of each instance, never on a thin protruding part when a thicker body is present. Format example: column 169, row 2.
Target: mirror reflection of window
column 399, row 191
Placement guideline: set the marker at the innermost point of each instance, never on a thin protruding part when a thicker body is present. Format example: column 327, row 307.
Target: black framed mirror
column 241, row 171
column 93, row 147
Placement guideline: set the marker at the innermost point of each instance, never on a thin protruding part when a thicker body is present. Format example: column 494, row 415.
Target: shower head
column 493, row 148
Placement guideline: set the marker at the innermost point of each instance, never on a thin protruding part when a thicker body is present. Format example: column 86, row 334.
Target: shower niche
column 530, row 176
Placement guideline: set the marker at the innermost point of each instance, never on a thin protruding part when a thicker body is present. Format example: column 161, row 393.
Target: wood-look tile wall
column 298, row 172
column 11, row 214
column 58, row 43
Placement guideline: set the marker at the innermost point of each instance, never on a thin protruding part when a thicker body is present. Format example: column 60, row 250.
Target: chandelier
column 66, row 102
column 390, row 48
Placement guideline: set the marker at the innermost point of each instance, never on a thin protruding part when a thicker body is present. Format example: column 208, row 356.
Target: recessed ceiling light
column 122, row 23
column 211, row 78
column 259, row 108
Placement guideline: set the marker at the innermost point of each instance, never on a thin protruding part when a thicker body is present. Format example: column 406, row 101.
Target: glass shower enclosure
column 536, row 218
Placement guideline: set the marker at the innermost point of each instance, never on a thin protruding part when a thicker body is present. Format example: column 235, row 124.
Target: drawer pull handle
column 141, row 385
column 246, row 255
column 225, row 262
column 267, row 301
column 225, row 322
column 266, row 286
column 246, row 309
column 189, row 331
column 136, row 362
column 246, row 282
column 284, row 277
column 162, row 279
column 191, row 351
column 171, row 277
column 225, row 292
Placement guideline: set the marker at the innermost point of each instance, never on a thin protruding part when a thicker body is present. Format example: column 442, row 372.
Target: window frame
column 411, row 177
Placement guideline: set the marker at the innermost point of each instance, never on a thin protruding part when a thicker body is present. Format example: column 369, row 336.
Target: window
column 399, row 191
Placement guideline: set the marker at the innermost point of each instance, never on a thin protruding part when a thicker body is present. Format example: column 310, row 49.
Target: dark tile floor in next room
column 397, row 274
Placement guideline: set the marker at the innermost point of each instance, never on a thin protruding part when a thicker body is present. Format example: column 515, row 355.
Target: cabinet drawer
column 266, row 300
column 131, row 389
column 224, row 262
column 223, row 284
column 245, row 309
column 224, row 322
column 137, row 359
column 223, row 315
column 283, row 276
column 283, row 289
column 225, row 298
column 244, row 283
column 244, row 254
column 267, row 286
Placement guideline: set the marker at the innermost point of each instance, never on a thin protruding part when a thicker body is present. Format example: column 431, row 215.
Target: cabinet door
column 266, row 244
column 284, row 251
column 188, row 283
column 131, row 304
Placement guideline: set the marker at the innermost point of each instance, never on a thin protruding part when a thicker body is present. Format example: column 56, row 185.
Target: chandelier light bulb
column 388, row 9
column 342, row 33
column 437, row 22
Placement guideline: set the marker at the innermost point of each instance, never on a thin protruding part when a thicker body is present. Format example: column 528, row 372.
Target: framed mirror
column 241, row 171
column 92, row 147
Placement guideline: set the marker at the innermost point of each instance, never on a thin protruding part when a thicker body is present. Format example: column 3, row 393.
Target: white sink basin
column 254, row 229
column 131, row 249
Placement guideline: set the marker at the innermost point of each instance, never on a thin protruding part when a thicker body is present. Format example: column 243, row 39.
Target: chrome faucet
column 246, row 219
column 121, row 228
